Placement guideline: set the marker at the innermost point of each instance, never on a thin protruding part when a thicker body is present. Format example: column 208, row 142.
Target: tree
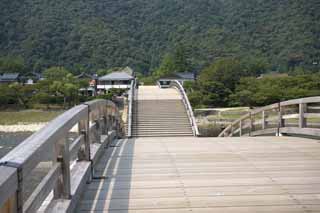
column 22, row 93
column 269, row 90
column 12, row 65
column 167, row 66
column 226, row 71
column 56, row 73
column 180, row 60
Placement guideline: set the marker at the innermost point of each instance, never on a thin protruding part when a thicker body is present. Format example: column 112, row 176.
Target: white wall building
column 120, row 80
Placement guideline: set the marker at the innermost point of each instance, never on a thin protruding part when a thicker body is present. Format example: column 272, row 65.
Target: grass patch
column 27, row 116
column 228, row 114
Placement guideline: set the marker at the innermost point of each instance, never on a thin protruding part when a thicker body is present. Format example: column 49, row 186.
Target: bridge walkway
column 263, row 174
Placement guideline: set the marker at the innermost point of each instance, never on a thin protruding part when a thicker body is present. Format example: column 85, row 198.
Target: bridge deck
column 156, row 93
column 265, row 174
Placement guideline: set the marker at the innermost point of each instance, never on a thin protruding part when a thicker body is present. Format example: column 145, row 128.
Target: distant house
column 180, row 76
column 92, row 83
column 31, row 78
column 115, row 80
column 8, row 78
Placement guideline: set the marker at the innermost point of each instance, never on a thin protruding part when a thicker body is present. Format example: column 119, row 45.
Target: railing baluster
column 263, row 120
column 231, row 131
column 250, row 124
column 62, row 189
column 54, row 137
column 302, row 119
column 279, row 118
column 96, row 131
column 84, row 130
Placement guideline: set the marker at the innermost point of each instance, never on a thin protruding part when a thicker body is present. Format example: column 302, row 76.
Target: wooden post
column 84, row 130
column 302, row 119
column 97, row 131
column 63, row 189
column 251, row 124
column 281, row 122
column 10, row 206
column 105, row 121
column 240, row 128
column 264, row 123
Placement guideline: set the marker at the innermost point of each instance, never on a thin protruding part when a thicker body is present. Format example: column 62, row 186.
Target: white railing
column 130, row 107
column 96, row 124
column 299, row 117
column 187, row 105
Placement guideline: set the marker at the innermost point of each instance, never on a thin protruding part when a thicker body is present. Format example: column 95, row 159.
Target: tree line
column 59, row 88
column 245, row 82
column 92, row 35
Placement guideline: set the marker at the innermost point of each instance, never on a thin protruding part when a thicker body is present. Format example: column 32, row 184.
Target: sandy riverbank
column 28, row 127
column 22, row 127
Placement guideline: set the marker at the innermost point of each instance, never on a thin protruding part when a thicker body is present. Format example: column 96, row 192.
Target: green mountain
column 93, row 34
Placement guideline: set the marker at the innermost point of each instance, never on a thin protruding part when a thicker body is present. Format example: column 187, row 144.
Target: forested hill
column 108, row 33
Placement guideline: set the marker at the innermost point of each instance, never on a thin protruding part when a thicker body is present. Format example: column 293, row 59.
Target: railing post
column 97, row 131
column 263, row 123
column 302, row 119
column 10, row 206
column 251, row 124
column 84, row 130
column 105, row 120
column 104, row 124
column 281, row 122
column 240, row 128
column 108, row 123
column 63, row 186
column 14, row 200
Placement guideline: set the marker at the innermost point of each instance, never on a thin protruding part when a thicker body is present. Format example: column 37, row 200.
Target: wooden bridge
column 95, row 168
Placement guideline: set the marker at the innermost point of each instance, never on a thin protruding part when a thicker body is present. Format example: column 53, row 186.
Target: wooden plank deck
column 265, row 174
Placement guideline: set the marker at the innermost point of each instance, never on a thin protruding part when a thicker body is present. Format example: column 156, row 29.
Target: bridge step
column 155, row 116
column 161, row 135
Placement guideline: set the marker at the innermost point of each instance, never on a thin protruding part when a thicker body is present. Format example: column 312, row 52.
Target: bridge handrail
column 93, row 120
column 187, row 105
column 277, row 113
column 130, row 107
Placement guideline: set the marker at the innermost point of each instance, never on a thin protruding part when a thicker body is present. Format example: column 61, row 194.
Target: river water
column 10, row 140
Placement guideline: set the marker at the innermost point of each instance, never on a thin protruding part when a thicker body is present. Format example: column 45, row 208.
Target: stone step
column 162, row 129
column 162, row 135
column 158, row 123
column 172, row 124
column 162, row 117
column 169, row 127
column 159, row 111
column 161, row 122
column 155, row 113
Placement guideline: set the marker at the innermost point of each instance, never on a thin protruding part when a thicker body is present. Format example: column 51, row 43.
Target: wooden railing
column 187, row 105
column 95, row 123
column 298, row 117
column 130, row 107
